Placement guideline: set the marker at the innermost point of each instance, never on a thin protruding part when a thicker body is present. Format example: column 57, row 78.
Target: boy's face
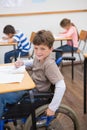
column 42, row 51
column 9, row 35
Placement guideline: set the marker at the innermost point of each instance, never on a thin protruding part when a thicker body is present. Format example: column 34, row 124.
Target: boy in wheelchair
column 44, row 69
column 44, row 73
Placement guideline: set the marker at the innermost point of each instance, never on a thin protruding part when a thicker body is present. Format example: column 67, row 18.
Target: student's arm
column 27, row 63
column 11, row 40
column 67, row 33
column 58, row 95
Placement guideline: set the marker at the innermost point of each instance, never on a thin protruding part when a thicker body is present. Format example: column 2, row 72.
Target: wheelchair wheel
column 15, row 125
column 65, row 119
column 7, row 128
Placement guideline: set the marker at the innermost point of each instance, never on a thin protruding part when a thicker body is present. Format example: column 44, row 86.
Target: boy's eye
column 43, row 49
column 35, row 48
column 40, row 49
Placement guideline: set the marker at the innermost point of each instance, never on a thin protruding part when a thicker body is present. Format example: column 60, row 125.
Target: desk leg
column 72, row 70
column 61, row 42
column 85, row 86
column 72, row 63
column 15, row 52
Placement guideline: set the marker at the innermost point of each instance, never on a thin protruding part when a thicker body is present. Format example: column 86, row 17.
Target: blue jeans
column 13, row 53
column 65, row 48
column 9, row 98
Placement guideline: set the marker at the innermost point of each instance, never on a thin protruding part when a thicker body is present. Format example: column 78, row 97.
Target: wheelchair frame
column 30, row 107
column 11, row 116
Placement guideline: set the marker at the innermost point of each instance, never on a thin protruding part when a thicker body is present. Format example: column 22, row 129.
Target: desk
column 26, row 84
column 85, row 78
column 9, row 44
column 67, row 39
column 62, row 39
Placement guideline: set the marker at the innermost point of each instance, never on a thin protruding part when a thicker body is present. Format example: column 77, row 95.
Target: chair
column 31, row 53
column 82, row 39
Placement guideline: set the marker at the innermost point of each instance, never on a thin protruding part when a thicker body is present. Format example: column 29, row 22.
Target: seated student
column 22, row 41
column 44, row 73
column 44, row 69
column 70, row 31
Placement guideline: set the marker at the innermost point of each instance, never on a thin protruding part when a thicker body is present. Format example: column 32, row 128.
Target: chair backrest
column 31, row 53
column 83, row 35
column 32, row 36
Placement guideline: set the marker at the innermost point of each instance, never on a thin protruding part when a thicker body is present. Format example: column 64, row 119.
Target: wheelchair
column 30, row 111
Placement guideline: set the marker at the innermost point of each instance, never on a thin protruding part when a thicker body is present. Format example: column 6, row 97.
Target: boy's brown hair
column 43, row 37
column 9, row 29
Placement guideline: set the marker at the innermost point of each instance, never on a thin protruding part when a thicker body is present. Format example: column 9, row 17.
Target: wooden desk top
column 7, row 44
column 26, row 84
column 85, row 55
column 62, row 39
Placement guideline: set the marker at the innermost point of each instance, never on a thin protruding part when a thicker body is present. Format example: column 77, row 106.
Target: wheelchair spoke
column 65, row 119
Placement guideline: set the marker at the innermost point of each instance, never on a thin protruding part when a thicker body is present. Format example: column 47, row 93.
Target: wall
column 50, row 22
column 43, row 5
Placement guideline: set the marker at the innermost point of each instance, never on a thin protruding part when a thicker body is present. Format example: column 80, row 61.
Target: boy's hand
column 18, row 63
column 5, row 38
column 49, row 112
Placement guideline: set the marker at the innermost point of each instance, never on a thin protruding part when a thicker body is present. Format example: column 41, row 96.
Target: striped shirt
column 22, row 40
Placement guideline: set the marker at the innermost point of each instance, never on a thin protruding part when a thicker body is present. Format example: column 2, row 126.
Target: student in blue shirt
column 23, row 45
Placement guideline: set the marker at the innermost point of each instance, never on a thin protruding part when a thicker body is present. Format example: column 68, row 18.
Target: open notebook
column 10, row 74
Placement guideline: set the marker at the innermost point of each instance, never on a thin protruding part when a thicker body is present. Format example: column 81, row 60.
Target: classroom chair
column 82, row 42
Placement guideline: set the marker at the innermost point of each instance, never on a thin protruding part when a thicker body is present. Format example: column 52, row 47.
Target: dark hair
column 43, row 37
column 65, row 22
column 9, row 29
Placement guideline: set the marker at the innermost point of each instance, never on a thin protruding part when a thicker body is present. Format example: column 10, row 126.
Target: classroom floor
column 74, row 93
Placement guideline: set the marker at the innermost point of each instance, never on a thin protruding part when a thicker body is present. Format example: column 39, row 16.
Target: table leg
column 15, row 52
column 72, row 63
column 72, row 70
column 85, row 85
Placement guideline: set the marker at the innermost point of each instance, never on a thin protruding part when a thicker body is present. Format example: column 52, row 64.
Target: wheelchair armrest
column 68, row 58
column 57, row 50
column 43, row 95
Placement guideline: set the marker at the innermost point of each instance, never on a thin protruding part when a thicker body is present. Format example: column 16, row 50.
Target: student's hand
column 5, row 38
column 18, row 63
column 49, row 112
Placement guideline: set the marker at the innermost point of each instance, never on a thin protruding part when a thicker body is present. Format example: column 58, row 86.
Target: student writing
column 19, row 37
column 70, row 31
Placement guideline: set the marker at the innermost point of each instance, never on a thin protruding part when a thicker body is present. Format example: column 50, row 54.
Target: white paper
column 10, row 74
column 12, row 69
column 10, row 78
column 58, row 37
column 4, row 41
